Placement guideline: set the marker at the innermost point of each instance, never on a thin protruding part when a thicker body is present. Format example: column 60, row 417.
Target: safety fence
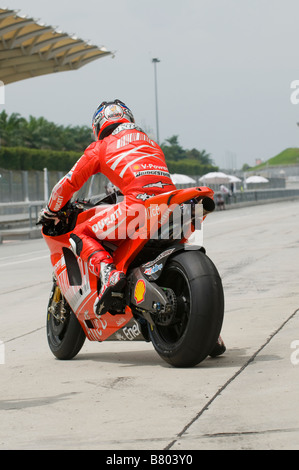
column 258, row 196
column 20, row 186
column 26, row 186
column 23, row 193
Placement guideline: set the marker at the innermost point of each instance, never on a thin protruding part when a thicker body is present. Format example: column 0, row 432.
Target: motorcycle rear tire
column 65, row 339
column 200, row 309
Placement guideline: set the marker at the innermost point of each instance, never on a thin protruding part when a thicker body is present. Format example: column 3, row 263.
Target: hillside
column 288, row 156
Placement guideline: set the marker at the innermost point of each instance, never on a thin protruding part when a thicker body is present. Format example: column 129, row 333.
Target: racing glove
column 46, row 216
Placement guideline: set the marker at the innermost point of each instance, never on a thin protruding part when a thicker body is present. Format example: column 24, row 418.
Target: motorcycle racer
column 135, row 164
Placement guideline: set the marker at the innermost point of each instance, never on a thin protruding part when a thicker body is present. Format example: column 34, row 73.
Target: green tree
column 39, row 133
column 191, row 162
column 246, row 167
column 82, row 136
column 10, row 129
column 201, row 156
column 172, row 149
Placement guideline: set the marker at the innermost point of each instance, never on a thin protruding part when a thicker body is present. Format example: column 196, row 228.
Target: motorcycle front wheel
column 193, row 332
column 65, row 334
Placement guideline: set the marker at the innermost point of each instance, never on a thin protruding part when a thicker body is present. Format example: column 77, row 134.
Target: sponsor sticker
column 151, row 172
column 140, row 290
column 153, row 269
column 113, row 111
column 144, row 196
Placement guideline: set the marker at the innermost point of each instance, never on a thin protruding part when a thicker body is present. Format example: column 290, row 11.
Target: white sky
column 223, row 80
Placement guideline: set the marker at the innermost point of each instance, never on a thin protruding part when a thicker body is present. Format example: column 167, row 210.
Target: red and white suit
column 132, row 162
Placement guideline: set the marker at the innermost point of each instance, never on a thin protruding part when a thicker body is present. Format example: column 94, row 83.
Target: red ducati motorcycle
column 173, row 295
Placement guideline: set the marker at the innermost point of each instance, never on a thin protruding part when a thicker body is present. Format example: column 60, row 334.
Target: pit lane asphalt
column 122, row 396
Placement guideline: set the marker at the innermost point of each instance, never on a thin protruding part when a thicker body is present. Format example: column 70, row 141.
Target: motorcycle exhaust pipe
column 208, row 205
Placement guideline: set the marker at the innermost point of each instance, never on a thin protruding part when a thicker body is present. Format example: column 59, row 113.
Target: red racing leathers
column 132, row 162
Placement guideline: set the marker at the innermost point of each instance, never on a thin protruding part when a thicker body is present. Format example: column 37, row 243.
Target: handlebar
column 68, row 214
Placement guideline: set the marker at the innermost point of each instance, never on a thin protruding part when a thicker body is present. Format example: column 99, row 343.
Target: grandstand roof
column 29, row 48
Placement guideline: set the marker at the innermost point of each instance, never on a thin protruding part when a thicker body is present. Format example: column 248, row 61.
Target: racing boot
column 218, row 349
column 112, row 285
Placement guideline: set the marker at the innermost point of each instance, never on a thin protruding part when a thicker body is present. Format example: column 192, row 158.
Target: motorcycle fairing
column 146, row 297
column 81, row 298
column 72, row 267
column 144, row 292
column 153, row 269
column 134, row 330
column 69, row 271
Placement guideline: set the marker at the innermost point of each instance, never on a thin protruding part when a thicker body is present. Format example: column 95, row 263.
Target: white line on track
column 28, row 253
column 30, row 260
